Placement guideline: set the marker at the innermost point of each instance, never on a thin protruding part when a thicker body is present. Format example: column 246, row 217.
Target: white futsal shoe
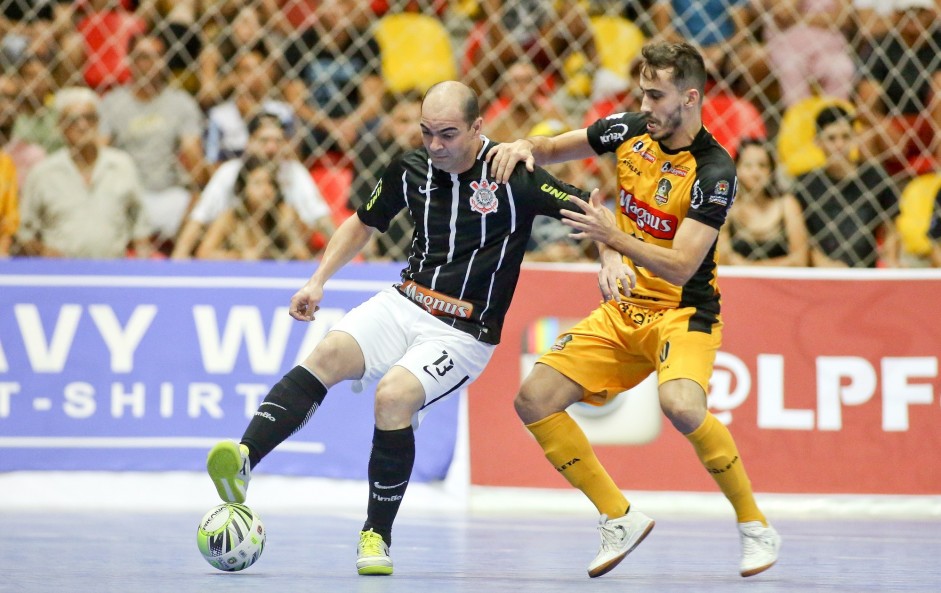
column 760, row 546
column 619, row 537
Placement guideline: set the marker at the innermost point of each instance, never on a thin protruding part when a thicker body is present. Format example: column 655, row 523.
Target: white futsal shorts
column 393, row 331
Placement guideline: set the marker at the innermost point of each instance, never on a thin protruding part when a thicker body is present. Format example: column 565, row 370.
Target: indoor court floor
column 102, row 552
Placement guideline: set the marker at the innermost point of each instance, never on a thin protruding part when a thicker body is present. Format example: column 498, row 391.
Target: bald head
column 450, row 126
column 449, row 95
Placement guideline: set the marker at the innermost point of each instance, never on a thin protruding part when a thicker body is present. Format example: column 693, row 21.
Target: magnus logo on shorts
column 435, row 302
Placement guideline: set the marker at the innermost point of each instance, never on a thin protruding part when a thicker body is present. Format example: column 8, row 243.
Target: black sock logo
column 568, row 464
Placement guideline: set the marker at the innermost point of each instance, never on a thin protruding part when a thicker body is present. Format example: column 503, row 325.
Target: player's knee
column 395, row 406
column 538, row 399
column 337, row 357
column 685, row 413
column 526, row 407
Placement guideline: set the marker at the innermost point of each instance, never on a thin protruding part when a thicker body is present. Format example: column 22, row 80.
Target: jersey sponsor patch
column 374, row 195
column 484, row 199
column 561, row 342
column 679, row 171
column 697, row 198
column 664, row 187
column 722, row 200
column 559, row 194
column 436, row 303
column 648, row 219
column 614, row 133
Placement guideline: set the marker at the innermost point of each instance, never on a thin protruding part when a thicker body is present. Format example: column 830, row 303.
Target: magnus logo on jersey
column 435, row 302
column 648, row 219
column 484, row 198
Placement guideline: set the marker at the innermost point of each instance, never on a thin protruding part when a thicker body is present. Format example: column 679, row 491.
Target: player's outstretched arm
column 348, row 241
column 538, row 150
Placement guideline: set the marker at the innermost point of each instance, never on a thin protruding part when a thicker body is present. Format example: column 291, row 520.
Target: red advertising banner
column 828, row 381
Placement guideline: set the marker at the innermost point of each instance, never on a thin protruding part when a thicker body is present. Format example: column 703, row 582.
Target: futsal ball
column 231, row 537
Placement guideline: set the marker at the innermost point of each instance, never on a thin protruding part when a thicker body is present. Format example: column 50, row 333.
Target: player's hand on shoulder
column 503, row 158
column 305, row 302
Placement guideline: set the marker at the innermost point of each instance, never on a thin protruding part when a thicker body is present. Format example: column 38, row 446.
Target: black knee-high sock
column 286, row 409
column 390, row 467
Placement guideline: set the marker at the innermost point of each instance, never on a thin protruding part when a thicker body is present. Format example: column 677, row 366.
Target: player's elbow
column 680, row 273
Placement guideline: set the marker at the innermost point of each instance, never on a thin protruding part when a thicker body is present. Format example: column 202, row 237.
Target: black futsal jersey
column 470, row 234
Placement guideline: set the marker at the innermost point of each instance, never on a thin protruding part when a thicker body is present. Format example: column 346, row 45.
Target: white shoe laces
column 611, row 537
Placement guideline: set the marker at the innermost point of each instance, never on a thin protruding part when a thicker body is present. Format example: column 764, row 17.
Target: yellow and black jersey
column 657, row 189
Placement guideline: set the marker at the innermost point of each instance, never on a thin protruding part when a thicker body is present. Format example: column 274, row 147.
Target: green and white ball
column 231, row 537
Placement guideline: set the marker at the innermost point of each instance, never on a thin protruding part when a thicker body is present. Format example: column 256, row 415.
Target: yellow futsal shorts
column 619, row 344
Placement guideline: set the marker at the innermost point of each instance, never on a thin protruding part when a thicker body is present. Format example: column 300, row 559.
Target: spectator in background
column 217, row 60
column 541, row 31
column 381, row 140
column 521, row 104
column 714, row 26
column 900, row 90
column 34, row 27
column 261, row 225
column 36, row 122
column 764, row 227
column 9, row 204
column 872, row 22
column 849, row 208
column 227, row 132
column 332, row 79
column 934, row 233
column 84, row 200
column 23, row 154
column 161, row 128
column 177, row 24
column 107, row 28
column 267, row 141
column 806, row 47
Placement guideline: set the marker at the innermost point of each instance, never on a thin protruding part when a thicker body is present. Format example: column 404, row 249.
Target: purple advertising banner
column 144, row 365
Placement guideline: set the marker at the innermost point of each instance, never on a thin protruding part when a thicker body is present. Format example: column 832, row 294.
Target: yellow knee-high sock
column 568, row 450
column 716, row 449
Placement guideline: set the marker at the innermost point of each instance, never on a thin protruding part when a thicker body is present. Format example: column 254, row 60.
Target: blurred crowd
column 223, row 129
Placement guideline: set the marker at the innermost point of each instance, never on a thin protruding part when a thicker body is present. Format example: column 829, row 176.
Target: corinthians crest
column 484, row 198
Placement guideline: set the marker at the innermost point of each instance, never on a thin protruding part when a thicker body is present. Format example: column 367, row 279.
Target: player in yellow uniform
column 661, row 309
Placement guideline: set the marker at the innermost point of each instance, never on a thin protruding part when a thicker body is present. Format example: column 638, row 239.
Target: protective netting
column 346, row 77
